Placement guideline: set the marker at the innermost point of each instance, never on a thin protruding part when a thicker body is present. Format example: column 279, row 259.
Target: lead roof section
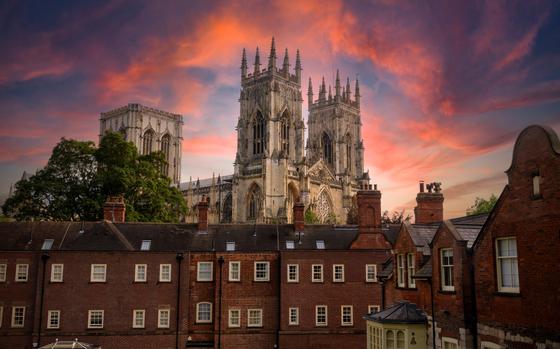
column 402, row 312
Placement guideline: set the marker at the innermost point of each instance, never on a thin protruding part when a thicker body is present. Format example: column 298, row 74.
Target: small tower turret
column 257, row 63
column 330, row 93
column 322, row 91
column 286, row 65
column 337, row 86
column 348, row 92
column 357, row 93
column 309, row 94
column 272, row 57
column 243, row 65
column 298, row 67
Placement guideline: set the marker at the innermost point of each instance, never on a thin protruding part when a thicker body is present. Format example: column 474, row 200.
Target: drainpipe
column 44, row 257
column 220, row 264
column 474, row 325
column 433, row 314
column 179, row 259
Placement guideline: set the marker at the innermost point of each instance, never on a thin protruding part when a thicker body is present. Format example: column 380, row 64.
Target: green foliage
column 79, row 177
column 395, row 218
column 482, row 205
column 310, row 217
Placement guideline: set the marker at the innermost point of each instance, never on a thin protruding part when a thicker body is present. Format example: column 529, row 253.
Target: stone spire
column 243, row 64
column 286, row 65
column 272, row 57
column 310, row 94
column 330, row 93
column 357, row 93
column 337, row 85
column 298, row 67
column 257, row 62
column 343, row 93
column 348, row 92
column 322, row 90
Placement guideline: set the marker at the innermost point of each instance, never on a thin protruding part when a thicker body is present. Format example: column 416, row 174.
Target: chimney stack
column 203, row 215
column 114, row 209
column 429, row 208
column 299, row 221
column 370, row 235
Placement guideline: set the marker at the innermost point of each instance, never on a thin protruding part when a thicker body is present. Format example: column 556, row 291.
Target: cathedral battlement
column 342, row 95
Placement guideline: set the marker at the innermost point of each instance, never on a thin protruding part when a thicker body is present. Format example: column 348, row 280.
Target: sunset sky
column 446, row 85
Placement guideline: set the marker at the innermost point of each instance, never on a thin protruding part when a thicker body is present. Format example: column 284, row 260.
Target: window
column 410, row 269
column 254, row 318
column 254, row 202
column 234, row 319
column 400, row 270
column 18, row 316
column 449, row 343
column 57, row 271
column 204, row 271
column 98, row 272
column 146, row 245
column 446, row 261
column 338, row 273
column 204, row 312
column 21, row 272
column 259, row 136
column 321, row 315
column 320, row 244
column 230, row 246
column 346, row 315
column 165, row 273
column 375, row 340
column 293, row 273
column 234, row 271
column 286, row 134
column 165, row 143
column 293, row 318
column 147, row 145
column 138, row 318
column 536, row 185
column 47, row 244
column 327, row 149
column 373, row 309
column 261, row 271
column 390, row 339
column 163, row 318
column 400, row 340
column 53, row 319
column 140, row 273
column 95, row 318
column 506, row 264
column 317, row 273
column 290, row 244
column 3, row 269
column 371, row 273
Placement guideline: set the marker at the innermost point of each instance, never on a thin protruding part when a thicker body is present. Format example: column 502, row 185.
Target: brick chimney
column 369, row 220
column 429, row 208
column 299, row 220
column 114, row 209
column 203, row 215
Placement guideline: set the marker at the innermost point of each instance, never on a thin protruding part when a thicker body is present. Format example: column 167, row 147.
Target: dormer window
column 536, row 185
column 47, row 244
column 146, row 245
column 290, row 244
column 320, row 244
column 230, row 246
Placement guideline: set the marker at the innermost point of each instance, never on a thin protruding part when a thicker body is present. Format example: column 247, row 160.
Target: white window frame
column 445, row 287
column 50, row 316
column 371, row 308
column 230, row 317
column 489, row 345
column 26, row 276
column 3, row 272
column 499, row 259
column 400, row 270
column 143, row 317
column 259, row 318
column 346, row 323
column 290, row 244
column 160, row 324
column 326, row 322
column 14, row 309
column 267, row 276
column 410, row 265
column 92, row 275
column 447, row 340
column 54, row 273
column 203, row 278
column 231, row 276
column 90, row 313
column 137, row 277
column 230, row 246
column 198, row 319
column 161, row 274
column 334, row 276
column 145, row 245
column 374, row 271
column 296, row 273
column 313, row 278
column 293, row 311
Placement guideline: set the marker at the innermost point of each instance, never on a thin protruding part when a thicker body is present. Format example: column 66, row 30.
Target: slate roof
column 468, row 233
column 387, row 269
column 477, row 219
column 425, row 271
column 402, row 312
column 391, row 231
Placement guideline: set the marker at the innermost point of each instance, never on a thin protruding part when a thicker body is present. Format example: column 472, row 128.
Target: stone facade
column 149, row 130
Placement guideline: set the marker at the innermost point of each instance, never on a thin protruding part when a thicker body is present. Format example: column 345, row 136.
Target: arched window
column 390, row 339
column 327, row 148
column 259, row 136
column 165, row 144
column 400, row 340
column 253, row 203
column 349, row 154
column 147, row 146
column 285, row 132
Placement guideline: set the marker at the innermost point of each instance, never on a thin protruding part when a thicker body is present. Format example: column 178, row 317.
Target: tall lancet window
column 165, row 144
column 259, row 137
column 148, row 142
column 348, row 154
column 285, row 133
column 253, row 203
column 327, row 148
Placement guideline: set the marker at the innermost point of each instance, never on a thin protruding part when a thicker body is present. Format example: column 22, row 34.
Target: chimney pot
column 421, row 186
column 375, row 187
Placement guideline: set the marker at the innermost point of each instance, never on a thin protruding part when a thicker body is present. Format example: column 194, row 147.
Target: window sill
column 53, row 329
column 140, row 282
column 56, row 282
column 98, row 282
column 234, row 280
column 507, row 294
column 447, row 292
column 164, row 282
column 317, row 281
column 204, row 280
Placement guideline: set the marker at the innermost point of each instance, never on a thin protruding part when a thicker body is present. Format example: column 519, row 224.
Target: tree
column 482, row 205
column 79, row 177
column 395, row 218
